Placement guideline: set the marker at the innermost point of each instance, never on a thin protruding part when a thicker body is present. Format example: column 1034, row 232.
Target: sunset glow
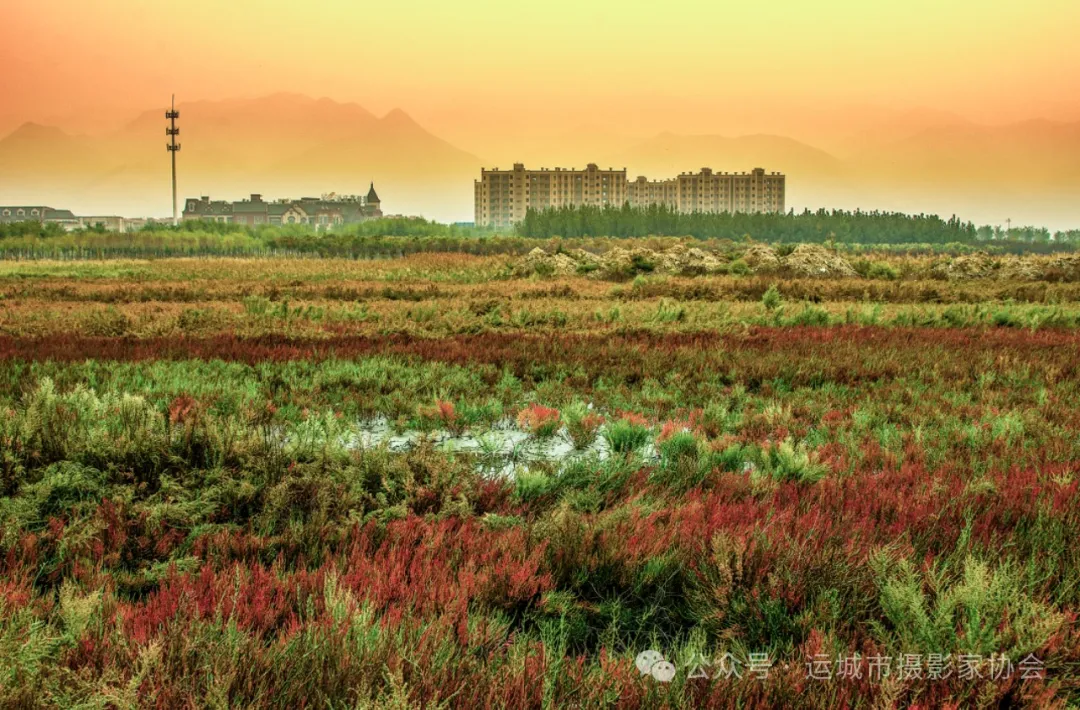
column 560, row 81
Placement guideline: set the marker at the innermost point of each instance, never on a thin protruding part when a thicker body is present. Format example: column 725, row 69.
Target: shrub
column 809, row 315
column 539, row 421
column 678, row 447
column 582, row 424
column 532, row 485
column 881, row 270
column 679, row 453
column 786, row 461
column 669, row 312
column 772, row 299
column 109, row 323
column 984, row 611
column 728, row 456
column 443, row 414
column 544, row 269
column 81, row 426
column 639, row 264
column 739, row 268
column 627, row 434
column 1007, row 318
column 257, row 305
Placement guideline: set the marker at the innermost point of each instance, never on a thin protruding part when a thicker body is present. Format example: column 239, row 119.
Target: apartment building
column 706, row 191
column 502, row 197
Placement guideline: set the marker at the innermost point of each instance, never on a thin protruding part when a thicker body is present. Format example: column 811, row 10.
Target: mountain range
column 292, row 145
column 279, row 145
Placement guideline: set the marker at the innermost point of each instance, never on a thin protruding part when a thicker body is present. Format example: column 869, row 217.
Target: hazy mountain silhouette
column 292, row 145
column 279, row 145
column 418, row 172
column 1016, row 157
column 668, row 154
column 814, row 177
column 34, row 149
column 870, row 127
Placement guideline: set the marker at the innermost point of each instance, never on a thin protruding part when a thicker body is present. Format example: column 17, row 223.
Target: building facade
column 38, row 213
column 502, row 197
column 110, row 223
column 320, row 212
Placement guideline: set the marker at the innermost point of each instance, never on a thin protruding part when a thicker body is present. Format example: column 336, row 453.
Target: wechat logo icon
column 653, row 663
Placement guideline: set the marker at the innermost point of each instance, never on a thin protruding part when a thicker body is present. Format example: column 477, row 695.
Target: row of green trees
column 851, row 227
column 1028, row 235
column 30, row 229
column 395, row 235
column 384, row 227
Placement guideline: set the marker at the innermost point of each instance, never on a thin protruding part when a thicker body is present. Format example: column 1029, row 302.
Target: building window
column 21, row 213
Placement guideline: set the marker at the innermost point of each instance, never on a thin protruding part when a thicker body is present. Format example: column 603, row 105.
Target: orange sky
column 900, row 92
column 486, row 74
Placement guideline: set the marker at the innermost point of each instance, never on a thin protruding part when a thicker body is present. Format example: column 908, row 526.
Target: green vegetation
column 391, row 237
column 432, row 481
column 839, row 226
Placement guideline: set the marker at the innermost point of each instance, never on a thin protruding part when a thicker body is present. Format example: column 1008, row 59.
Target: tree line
column 840, row 226
column 852, row 230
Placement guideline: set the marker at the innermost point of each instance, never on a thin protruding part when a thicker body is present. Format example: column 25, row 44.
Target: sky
column 477, row 67
column 501, row 79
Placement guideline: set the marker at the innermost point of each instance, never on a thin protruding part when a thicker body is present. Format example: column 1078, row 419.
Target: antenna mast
column 172, row 132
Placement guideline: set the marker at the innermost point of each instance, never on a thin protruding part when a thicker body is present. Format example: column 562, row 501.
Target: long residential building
column 502, row 197
column 38, row 213
column 320, row 212
column 70, row 222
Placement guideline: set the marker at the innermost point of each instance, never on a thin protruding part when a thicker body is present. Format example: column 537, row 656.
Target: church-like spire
column 371, row 195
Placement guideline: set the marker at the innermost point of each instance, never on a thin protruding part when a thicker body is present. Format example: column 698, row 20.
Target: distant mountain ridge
column 291, row 145
column 279, row 145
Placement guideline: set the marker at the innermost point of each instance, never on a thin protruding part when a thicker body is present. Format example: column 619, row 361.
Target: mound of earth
column 540, row 262
column 1064, row 268
column 962, row 268
column 582, row 257
column 816, row 260
column 619, row 262
column 761, row 258
column 1019, row 269
column 681, row 259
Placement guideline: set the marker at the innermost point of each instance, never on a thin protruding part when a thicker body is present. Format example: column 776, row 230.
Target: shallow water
column 500, row 449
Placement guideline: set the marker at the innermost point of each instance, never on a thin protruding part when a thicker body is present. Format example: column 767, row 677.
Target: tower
column 172, row 146
column 372, row 202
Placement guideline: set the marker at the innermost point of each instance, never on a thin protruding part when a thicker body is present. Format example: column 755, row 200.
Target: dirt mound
column 619, row 263
column 540, row 262
column 583, row 257
column 962, row 268
column 1019, row 269
column 816, row 260
column 681, row 259
column 761, row 258
column 1063, row 268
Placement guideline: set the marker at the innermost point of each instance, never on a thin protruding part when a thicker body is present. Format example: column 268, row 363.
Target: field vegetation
column 776, row 469
column 588, row 227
